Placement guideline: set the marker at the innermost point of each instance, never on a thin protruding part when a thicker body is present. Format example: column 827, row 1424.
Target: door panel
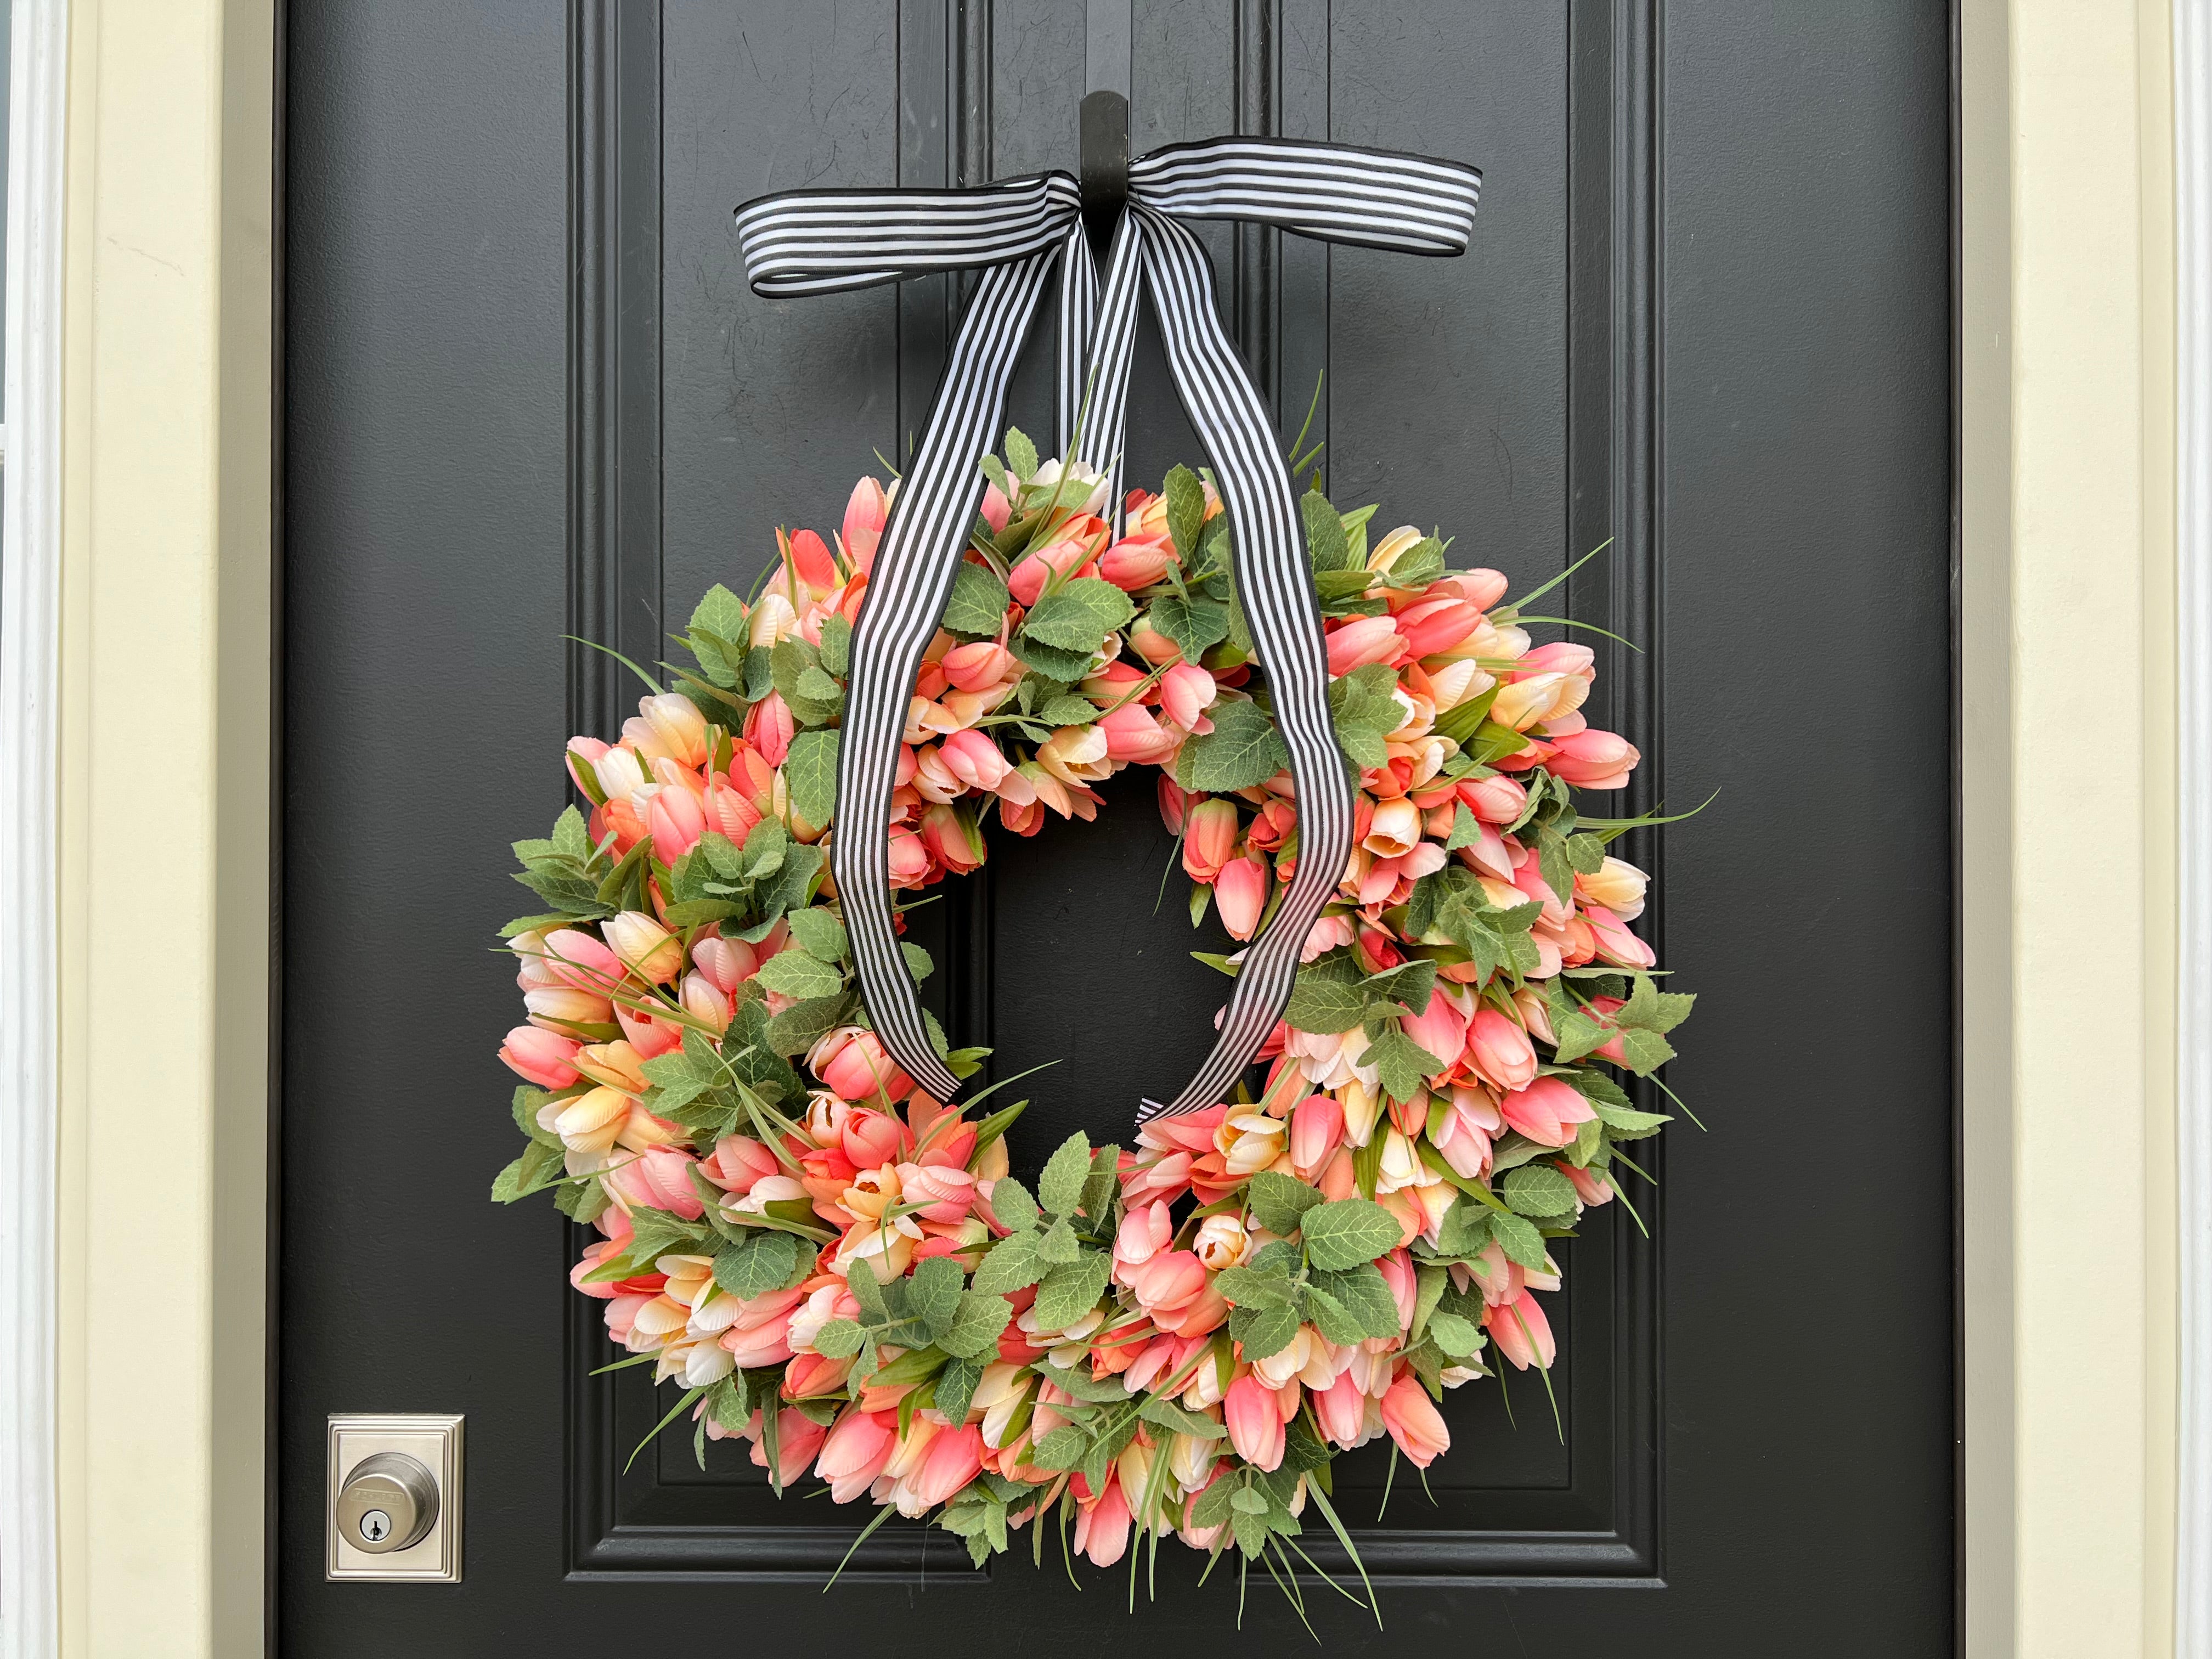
column 530, row 394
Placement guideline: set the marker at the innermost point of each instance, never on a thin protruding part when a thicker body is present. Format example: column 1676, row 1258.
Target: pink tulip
column 1615, row 944
column 1547, row 1110
column 729, row 814
column 854, row 1452
column 738, row 1162
column 770, row 728
column 1594, row 759
column 955, row 1458
column 909, row 861
column 979, row 666
column 1186, row 691
column 951, row 839
column 1431, row 627
column 1593, row 1186
column 726, row 963
column 852, row 1064
column 798, row 1437
column 870, row 1138
column 1145, row 1231
column 573, row 958
column 676, row 818
column 1361, row 640
column 1415, row 1422
column 1316, row 1131
column 1136, row 561
column 1064, row 557
column 1523, row 1335
column 812, row 560
column 541, row 1056
column 942, row 1194
column 866, row 514
column 1341, row 1410
column 974, row 760
column 660, row 1179
column 1500, row 1051
column 1168, row 1283
column 996, row 509
column 1439, row 1028
column 1209, row 839
column 1254, row 1417
column 1496, row 800
column 1241, row 891
column 651, row 1037
column 1101, row 1528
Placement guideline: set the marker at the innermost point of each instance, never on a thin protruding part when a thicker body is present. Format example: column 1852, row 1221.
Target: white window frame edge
column 2192, row 143
column 30, row 618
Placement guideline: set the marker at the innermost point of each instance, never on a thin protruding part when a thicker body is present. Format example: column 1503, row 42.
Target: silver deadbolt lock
column 395, row 1497
column 389, row 1502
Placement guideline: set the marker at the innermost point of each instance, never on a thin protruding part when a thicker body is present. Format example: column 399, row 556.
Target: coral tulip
column 854, row 1452
column 1241, row 891
column 1500, row 1050
column 866, row 511
column 541, row 1056
column 1594, row 759
column 1523, row 1335
column 1209, row 838
column 1546, row 1111
column 1255, row 1422
column 1415, row 1422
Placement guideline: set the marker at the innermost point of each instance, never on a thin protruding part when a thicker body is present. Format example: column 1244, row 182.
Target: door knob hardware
column 394, row 1510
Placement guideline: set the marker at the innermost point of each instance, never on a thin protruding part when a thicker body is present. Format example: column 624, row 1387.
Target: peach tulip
column 1209, row 838
column 851, row 1064
column 1594, row 759
column 643, row 945
column 1255, row 1422
column 1415, row 1422
column 1521, row 1333
column 1546, row 1111
column 854, row 1453
column 1500, row 1050
column 866, row 511
column 541, row 1056
column 1241, row 891
column 1101, row 1527
column 1186, row 691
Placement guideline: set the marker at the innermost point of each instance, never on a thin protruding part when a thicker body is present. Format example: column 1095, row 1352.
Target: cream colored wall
column 2068, row 791
column 165, row 825
column 2069, row 723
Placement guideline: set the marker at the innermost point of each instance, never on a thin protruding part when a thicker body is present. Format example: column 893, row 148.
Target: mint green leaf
column 933, row 1294
column 1078, row 615
column 1325, row 539
column 1327, row 997
column 756, row 1264
column 955, row 1391
column 1185, row 498
column 1017, row 1211
column 1070, row 1291
column 1646, row 1051
column 836, row 644
column 975, row 1329
column 1364, row 1294
column 1263, row 1331
column 818, row 932
column 1465, row 831
column 1348, row 1232
column 1519, row 1239
column 1248, row 1287
column 1012, row 1265
column 1060, row 1190
column 1538, row 1189
column 1243, row 749
column 1460, row 1338
column 795, row 973
column 810, row 774
column 1194, row 624
column 803, row 1024
column 1278, row 1201
column 1179, row 1419
column 838, row 1339
column 1021, row 455
column 1402, row 1065
column 978, row 603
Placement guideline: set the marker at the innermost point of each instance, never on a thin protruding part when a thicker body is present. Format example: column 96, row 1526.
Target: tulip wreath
column 1176, row 1336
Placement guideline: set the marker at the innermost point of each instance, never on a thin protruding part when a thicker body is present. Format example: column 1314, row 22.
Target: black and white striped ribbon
column 807, row 242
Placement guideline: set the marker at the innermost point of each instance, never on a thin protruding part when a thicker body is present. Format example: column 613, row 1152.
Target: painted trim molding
column 30, row 619
column 2192, row 147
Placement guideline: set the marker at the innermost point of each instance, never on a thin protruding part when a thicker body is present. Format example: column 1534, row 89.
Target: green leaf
column 1402, row 1065
column 1070, row 1291
column 1408, row 986
column 836, row 644
column 1327, row 997
column 1250, row 1287
column 1646, row 1051
column 1325, row 538
column 919, row 967
column 1058, row 1243
column 977, row 605
column 810, row 775
column 1180, row 1419
column 1346, row 1233
column 955, row 1391
column 1465, row 831
column 1068, row 711
column 1279, row 1200
column 1062, row 1449
column 1466, row 1230
column 1244, row 749
column 1213, row 1505
column 1078, row 615
column 1538, row 1189
column 1194, row 624
column 527, row 1173
column 1459, row 1337
column 840, row 1339
column 1060, row 1190
column 819, row 933
column 1017, row 1211
column 1519, row 1239
column 974, row 1331
column 756, row 1264
column 933, row 1294
column 803, row 1024
column 1012, row 1265
column 1185, row 498
column 1021, row 455
column 1364, row 1294
column 795, row 973
column 1261, row 1331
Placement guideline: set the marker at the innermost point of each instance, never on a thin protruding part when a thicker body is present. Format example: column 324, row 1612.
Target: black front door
column 1707, row 315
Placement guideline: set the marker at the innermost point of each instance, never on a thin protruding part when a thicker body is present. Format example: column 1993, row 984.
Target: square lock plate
column 432, row 1439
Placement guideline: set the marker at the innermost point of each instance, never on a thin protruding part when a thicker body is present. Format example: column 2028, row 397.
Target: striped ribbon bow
column 804, row 242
